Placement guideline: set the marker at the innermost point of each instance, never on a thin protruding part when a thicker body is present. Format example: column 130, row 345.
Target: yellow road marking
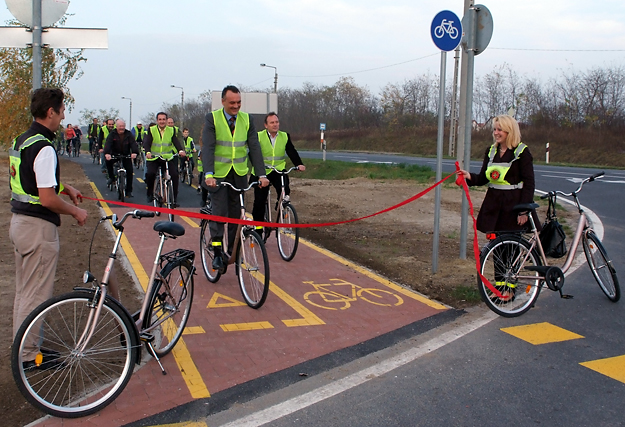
column 192, row 330
column 189, row 371
column 140, row 180
column 250, row 326
column 217, row 296
column 190, row 221
column 375, row 277
column 184, row 424
column 613, row 367
column 308, row 317
column 541, row 333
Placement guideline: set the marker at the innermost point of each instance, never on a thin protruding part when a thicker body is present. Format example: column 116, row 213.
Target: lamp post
column 130, row 118
column 181, row 106
column 275, row 77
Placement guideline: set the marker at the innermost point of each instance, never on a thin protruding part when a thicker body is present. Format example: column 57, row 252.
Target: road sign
column 51, row 11
column 322, row 126
column 446, row 30
column 58, row 38
column 483, row 29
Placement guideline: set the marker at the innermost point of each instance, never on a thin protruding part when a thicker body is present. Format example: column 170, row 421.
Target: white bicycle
column 446, row 27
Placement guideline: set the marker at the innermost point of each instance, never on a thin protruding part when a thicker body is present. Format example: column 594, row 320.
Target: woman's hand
column 522, row 219
column 460, row 175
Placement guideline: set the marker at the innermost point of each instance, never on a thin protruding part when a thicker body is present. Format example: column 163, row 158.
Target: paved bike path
column 229, row 349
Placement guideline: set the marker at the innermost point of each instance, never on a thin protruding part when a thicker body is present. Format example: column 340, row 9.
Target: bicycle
column 164, row 189
column 248, row 254
column 446, row 27
column 140, row 160
column 94, row 340
column 186, row 172
column 60, row 148
column 517, row 266
column 288, row 238
column 95, row 154
column 374, row 296
column 121, row 177
column 76, row 147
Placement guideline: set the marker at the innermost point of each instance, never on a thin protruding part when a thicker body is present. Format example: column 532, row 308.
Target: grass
column 335, row 170
column 466, row 293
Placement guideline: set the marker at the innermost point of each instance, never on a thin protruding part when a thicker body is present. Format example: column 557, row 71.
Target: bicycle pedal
column 146, row 337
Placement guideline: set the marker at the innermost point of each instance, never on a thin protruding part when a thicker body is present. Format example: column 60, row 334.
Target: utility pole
column 37, row 30
column 453, row 128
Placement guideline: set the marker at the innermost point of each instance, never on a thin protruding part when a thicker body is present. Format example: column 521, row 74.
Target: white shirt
column 45, row 167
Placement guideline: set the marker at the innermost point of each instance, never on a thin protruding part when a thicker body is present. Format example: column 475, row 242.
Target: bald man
column 121, row 142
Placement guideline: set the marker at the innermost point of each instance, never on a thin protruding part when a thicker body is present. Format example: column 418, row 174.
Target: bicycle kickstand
column 565, row 296
column 156, row 358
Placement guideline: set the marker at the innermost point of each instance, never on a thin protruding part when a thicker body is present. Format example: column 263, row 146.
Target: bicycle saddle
column 169, row 227
column 524, row 207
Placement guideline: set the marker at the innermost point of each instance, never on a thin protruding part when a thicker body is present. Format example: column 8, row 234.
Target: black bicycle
column 121, row 176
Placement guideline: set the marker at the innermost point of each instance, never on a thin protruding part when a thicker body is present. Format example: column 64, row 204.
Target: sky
column 206, row 45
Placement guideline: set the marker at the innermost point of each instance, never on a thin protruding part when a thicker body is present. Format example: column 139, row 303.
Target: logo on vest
column 495, row 175
column 13, row 172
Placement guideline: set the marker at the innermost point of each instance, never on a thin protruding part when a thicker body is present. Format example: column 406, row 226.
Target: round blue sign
column 446, row 30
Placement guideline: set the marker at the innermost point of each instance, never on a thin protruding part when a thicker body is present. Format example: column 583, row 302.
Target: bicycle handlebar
column 574, row 193
column 239, row 190
column 281, row 172
column 137, row 213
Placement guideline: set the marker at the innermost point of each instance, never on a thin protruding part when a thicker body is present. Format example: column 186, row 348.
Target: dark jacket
column 496, row 212
column 121, row 144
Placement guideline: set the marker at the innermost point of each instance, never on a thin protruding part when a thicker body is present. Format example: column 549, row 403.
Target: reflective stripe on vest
column 15, row 160
column 187, row 144
column 273, row 155
column 163, row 147
column 496, row 172
column 230, row 149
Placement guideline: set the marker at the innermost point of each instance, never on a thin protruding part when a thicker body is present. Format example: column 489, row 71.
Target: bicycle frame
column 242, row 216
column 280, row 197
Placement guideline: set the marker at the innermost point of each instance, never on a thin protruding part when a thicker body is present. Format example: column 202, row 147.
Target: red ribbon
column 476, row 250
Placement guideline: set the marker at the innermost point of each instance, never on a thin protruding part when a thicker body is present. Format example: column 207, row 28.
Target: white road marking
column 308, row 399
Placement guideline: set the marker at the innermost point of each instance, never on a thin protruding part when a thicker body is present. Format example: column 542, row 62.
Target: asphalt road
column 472, row 372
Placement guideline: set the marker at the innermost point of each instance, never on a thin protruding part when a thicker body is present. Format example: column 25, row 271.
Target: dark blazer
column 121, row 144
column 209, row 144
column 496, row 212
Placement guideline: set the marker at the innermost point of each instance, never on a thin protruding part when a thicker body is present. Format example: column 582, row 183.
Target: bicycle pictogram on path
column 329, row 299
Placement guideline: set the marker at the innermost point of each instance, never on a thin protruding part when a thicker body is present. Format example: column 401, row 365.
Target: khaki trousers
column 36, row 243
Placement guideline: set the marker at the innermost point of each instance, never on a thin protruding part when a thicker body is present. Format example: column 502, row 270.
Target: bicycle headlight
column 87, row 277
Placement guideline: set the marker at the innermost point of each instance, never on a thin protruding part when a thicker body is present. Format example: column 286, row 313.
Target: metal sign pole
column 439, row 161
column 36, row 28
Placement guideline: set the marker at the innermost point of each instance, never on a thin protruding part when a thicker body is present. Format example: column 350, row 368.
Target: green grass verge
column 334, row 170
column 466, row 293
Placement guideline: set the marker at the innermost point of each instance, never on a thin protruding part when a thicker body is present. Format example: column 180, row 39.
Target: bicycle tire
column 601, row 266
column 170, row 305
column 504, row 255
column 121, row 185
column 288, row 238
column 267, row 218
column 207, row 254
column 158, row 194
column 169, row 188
column 253, row 275
column 189, row 179
column 87, row 380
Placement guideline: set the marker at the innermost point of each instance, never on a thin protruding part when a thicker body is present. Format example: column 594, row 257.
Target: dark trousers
column 225, row 202
column 152, row 170
column 127, row 163
column 260, row 194
column 91, row 142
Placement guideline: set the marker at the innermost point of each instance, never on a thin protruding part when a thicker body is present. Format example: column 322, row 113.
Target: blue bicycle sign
column 446, row 30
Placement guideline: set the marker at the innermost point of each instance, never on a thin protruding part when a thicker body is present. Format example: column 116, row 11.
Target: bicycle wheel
column 158, row 193
column 503, row 263
column 169, row 188
column 252, row 269
column 189, row 178
column 170, row 305
column 288, row 238
column 267, row 218
column 207, row 254
column 380, row 297
column 601, row 266
column 121, row 185
column 80, row 381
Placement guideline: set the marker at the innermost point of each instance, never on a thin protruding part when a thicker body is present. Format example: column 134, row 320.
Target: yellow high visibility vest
column 231, row 149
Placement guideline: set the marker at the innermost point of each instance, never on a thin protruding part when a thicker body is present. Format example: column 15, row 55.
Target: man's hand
column 211, row 182
column 107, row 156
column 101, row 150
column 133, row 156
column 80, row 215
column 74, row 195
column 264, row 182
column 182, row 153
column 148, row 155
column 301, row 168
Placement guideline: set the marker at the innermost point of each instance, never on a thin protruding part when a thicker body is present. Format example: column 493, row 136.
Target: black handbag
column 552, row 237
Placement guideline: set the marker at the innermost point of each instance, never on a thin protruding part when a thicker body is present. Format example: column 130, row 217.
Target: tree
column 59, row 67
column 87, row 116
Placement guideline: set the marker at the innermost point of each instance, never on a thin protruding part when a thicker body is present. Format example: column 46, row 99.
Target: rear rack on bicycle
column 177, row 254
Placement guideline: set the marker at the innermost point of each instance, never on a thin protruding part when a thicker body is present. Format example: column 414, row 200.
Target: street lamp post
column 275, row 76
column 181, row 106
column 130, row 118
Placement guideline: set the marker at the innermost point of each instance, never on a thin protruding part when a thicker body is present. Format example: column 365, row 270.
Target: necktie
column 231, row 124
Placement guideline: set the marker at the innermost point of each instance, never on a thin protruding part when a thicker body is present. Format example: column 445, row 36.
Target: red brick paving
column 225, row 359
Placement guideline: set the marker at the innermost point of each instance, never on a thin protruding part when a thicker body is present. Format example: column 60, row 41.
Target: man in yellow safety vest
column 227, row 138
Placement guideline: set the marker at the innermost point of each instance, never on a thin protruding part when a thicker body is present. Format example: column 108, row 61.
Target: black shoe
column 218, row 263
column 129, row 194
column 150, row 198
column 51, row 359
